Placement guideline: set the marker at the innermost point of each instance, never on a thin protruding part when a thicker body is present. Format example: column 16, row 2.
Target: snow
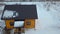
column 19, row 23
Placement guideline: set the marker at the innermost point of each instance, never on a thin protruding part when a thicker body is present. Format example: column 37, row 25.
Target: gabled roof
column 24, row 11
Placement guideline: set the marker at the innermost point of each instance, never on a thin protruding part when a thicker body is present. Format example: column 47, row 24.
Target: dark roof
column 25, row 11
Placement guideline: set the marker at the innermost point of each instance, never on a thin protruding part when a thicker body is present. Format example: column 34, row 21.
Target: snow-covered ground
column 48, row 21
